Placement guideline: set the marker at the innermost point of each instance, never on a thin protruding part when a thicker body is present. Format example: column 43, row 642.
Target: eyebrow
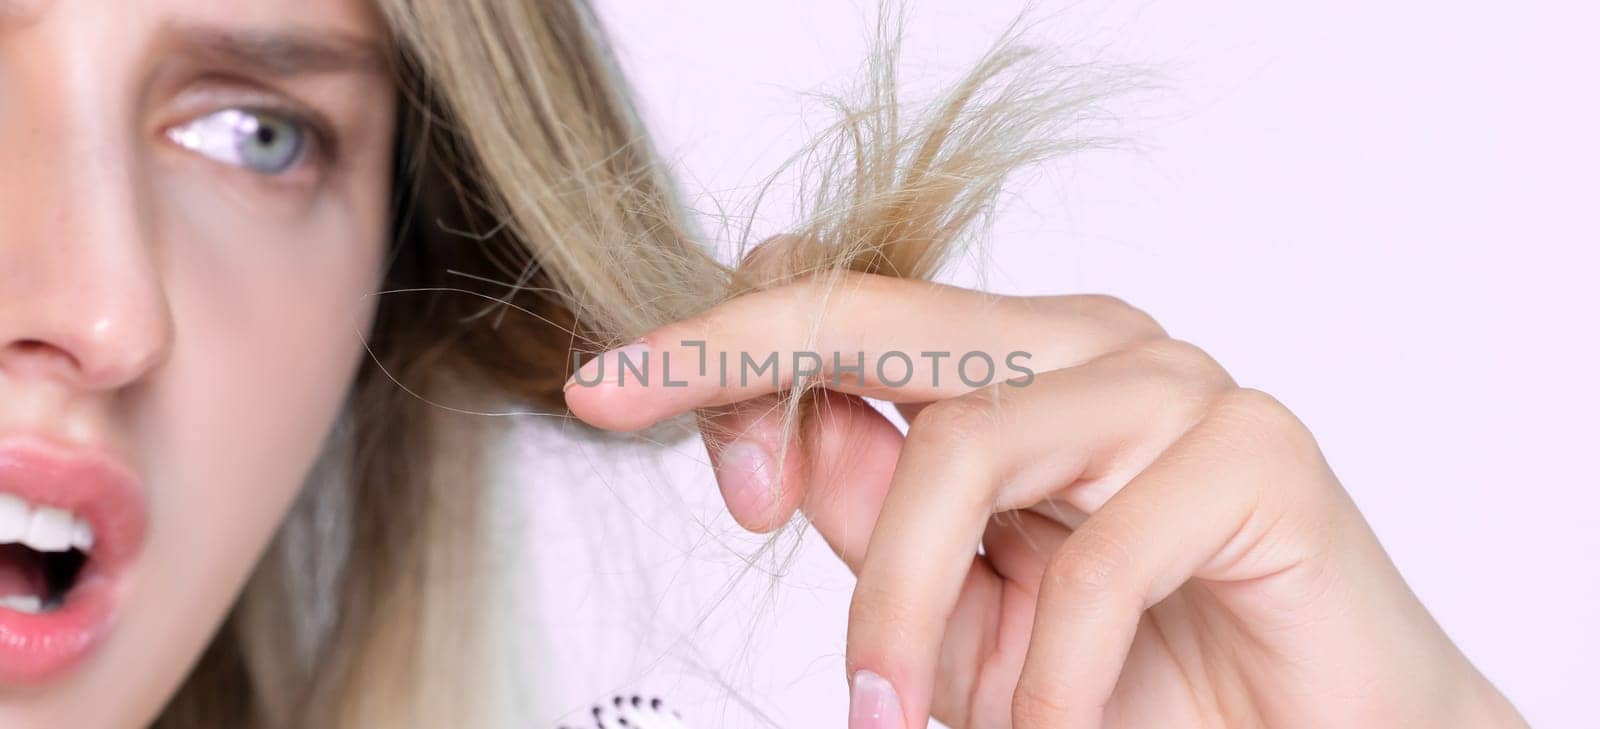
column 282, row 52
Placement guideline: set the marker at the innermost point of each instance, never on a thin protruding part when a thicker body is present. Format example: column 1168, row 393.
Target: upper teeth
column 44, row 528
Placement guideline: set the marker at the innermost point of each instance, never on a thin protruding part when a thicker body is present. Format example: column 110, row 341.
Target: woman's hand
column 1160, row 547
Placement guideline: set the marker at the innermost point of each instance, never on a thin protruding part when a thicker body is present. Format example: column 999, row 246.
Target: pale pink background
column 1384, row 213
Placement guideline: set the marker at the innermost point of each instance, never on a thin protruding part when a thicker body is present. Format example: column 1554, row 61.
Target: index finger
column 862, row 334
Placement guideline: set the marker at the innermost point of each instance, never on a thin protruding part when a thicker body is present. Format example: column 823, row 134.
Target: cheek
column 269, row 323
column 268, row 314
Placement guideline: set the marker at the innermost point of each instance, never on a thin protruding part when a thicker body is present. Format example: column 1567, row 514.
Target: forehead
column 359, row 18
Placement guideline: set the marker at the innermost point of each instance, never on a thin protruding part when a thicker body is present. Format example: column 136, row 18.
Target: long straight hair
column 535, row 222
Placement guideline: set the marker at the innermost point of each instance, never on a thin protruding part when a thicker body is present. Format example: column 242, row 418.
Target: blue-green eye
column 257, row 141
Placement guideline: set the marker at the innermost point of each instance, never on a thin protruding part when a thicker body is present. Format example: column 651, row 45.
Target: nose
column 81, row 295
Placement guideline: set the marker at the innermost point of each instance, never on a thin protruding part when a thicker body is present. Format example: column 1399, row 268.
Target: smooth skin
column 1160, row 546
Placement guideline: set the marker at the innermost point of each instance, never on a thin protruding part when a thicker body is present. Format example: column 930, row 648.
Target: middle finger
column 996, row 450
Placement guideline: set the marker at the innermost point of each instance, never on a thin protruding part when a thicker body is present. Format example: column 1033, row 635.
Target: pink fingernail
column 873, row 703
column 744, row 468
column 626, row 365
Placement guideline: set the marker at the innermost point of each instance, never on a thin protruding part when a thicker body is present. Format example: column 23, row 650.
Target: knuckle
column 1254, row 410
column 960, row 426
column 710, row 326
column 1261, row 423
column 879, row 614
column 1118, row 314
column 715, row 331
column 1096, row 324
column 1089, row 564
column 818, row 299
column 1275, row 458
column 776, row 260
column 1182, row 360
column 1037, row 704
column 804, row 294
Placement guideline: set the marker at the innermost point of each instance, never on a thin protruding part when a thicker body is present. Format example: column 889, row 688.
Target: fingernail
column 609, row 367
column 744, row 469
column 873, row 703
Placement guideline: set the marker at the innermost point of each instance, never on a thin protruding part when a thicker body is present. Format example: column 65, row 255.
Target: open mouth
column 43, row 552
column 72, row 520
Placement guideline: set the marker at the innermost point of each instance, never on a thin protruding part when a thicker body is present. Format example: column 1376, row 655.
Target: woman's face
column 193, row 205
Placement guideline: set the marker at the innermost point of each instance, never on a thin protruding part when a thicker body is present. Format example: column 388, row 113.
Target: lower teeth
column 27, row 603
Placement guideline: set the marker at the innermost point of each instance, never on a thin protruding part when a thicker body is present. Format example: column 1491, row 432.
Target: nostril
column 37, row 348
column 36, row 356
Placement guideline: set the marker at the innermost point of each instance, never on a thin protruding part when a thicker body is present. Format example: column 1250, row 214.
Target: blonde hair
column 524, row 178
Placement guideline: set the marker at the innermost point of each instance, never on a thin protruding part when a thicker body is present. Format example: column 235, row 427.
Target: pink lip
column 107, row 494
